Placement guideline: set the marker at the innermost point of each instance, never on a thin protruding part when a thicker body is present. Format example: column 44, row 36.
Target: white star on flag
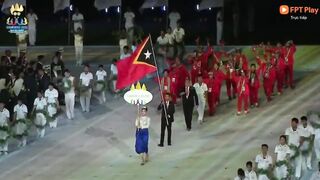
column 147, row 54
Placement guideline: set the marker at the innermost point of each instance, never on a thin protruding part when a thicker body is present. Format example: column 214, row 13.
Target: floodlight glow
column 71, row 7
column 209, row 8
column 118, row 9
column 198, row 6
column 106, row 10
column 164, row 8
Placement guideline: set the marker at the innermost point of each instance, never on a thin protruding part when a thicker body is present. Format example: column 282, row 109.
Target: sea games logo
column 17, row 22
column 298, row 12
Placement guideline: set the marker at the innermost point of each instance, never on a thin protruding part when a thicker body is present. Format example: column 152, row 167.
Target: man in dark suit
column 43, row 80
column 166, row 118
column 189, row 99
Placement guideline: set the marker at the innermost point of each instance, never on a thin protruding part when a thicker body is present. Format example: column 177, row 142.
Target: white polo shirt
column 306, row 131
column 178, row 34
column 76, row 18
column 86, row 78
column 263, row 163
column 51, row 95
column 40, row 103
column 282, row 152
column 101, row 75
column 21, row 111
column 251, row 175
column 294, row 136
column 170, row 38
column 4, row 116
column 200, row 89
column 114, row 69
column 162, row 41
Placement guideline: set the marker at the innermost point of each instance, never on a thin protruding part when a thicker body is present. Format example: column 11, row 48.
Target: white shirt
column 200, row 90
column 144, row 122
column 315, row 176
column 114, row 69
column 251, row 175
column 162, row 41
column 86, row 78
column 306, row 131
column 122, row 56
column 101, row 75
column 4, row 116
column 170, row 38
column 263, row 163
column 71, row 78
column 129, row 16
column 317, row 135
column 40, row 104
column 51, row 95
column 78, row 40
column 174, row 17
column 32, row 19
column 282, row 152
column 178, row 34
column 294, row 136
column 77, row 18
column 21, row 111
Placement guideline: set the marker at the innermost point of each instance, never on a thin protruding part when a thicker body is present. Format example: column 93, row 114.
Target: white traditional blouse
column 21, row 111
column 144, row 122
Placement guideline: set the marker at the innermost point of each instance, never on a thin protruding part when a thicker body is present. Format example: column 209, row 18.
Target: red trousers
column 243, row 97
column 280, row 80
column 230, row 83
column 267, row 85
column 211, row 103
column 254, row 97
column 288, row 70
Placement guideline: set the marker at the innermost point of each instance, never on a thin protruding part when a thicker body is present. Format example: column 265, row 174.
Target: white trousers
column 41, row 132
column 102, row 98
column 317, row 148
column 4, row 147
column 263, row 177
column 79, row 53
column 85, row 101
column 296, row 164
column 32, row 35
column 69, row 100
column 201, row 107
column 281, row 172
column 307, row 159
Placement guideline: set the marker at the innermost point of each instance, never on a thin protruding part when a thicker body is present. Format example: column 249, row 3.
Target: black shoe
column 234, row 96
column 160, row 145
column 188, row 129
column 230, row 98
column 169, row 144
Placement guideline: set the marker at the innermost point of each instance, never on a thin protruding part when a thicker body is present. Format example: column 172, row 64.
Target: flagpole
column 167, row 16
column 120, row 16
column 158, row 81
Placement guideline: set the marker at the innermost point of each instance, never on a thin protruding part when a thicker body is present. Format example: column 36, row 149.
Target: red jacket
column 242, row 84
column 254, row 79
column 289, row 54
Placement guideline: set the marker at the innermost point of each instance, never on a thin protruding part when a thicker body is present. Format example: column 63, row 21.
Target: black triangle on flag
column 145, row 54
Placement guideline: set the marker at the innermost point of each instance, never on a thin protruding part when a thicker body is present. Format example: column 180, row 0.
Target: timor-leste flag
column 136, row 66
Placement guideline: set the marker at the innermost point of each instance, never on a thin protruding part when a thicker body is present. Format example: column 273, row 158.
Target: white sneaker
column 246, row 112
column 238, row 113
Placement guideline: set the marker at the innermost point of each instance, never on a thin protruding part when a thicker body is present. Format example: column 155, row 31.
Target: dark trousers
column 188, row 111
column 163, row 128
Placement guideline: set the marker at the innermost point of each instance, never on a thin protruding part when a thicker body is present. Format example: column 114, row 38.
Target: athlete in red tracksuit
column 174, row 78
column 269, row 76
column 196, row 69
column 289, row 59
column 254, row 85
column 166, row 83
column 211, row 94
column 280, row 68
column 183, row 74
column 243, row 92
column 230, row 83
column 242, row 60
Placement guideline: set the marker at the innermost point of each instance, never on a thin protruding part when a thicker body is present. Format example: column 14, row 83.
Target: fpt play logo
column 301, row 10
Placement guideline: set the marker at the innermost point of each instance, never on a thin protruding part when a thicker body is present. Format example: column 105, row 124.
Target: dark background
column 101, row 27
